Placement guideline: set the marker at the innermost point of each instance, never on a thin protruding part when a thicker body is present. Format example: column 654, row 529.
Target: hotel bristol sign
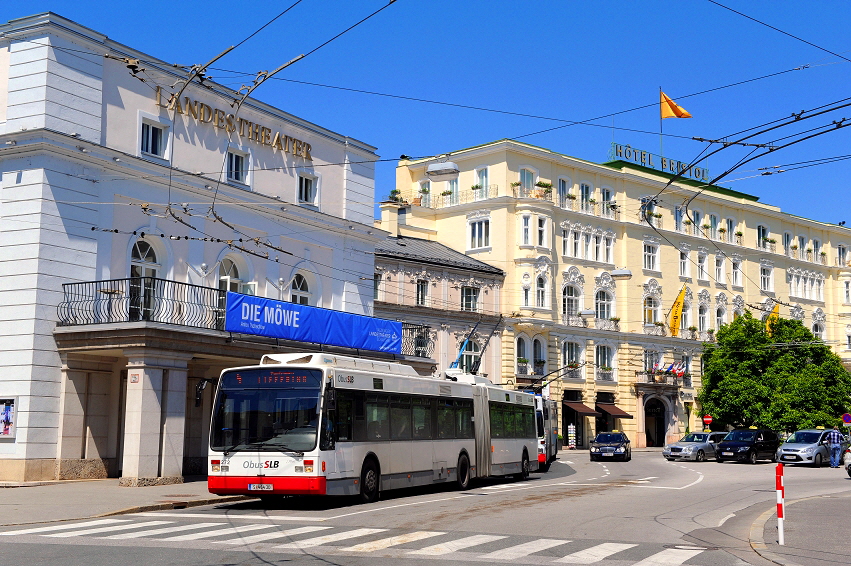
column 654, row 161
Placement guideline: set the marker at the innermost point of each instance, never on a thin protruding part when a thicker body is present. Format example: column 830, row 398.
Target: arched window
column 522, row 356
column 229, row 276
column 539, row 354
column 471, row 357
column 143, row 271
column 651, row 310
column 684, row 319
column 818, row 330
column 701, row 318
column 720, row 317
column 299, row 290
column 527, row 179
column 541, row 293
column 571, row 353
column 603, row 305
column 569, row 301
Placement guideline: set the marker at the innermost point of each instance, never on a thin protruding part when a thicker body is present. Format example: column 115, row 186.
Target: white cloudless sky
column 558, row 59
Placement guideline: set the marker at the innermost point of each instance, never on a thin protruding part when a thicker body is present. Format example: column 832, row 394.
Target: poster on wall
column 7, row 418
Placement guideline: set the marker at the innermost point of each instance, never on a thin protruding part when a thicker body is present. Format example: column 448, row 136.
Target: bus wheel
column 369, row 479
column 524, row 468
column 463, row 472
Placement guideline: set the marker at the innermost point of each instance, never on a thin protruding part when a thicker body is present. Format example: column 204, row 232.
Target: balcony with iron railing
column 149, row 299
column 462, row 196
column 607, row 324
column 573, row 373
column 607, row 375
column 573, row 320
column 654, row 329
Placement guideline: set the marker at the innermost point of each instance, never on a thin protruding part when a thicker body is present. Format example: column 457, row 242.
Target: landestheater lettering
column 248, row 130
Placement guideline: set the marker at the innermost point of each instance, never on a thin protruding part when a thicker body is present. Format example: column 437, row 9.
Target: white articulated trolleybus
column 320, row 424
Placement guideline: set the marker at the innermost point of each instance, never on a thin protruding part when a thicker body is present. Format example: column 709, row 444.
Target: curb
column 757, row 541
column 145, row 508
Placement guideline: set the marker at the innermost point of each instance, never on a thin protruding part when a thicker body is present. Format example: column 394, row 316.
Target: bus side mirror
column 330, row 400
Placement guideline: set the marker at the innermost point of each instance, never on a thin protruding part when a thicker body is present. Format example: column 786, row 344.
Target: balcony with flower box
column 573, row 371
column 655, row 329
column 573, row 320
column 606, row 374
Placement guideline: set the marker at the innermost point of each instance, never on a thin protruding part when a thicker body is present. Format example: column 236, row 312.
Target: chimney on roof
column 390, row 217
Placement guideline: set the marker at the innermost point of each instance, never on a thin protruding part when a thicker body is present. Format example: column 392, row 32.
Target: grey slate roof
column 426, row 251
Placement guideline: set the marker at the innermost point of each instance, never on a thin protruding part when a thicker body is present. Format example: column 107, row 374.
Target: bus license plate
column 727, row 453
column 259, row 487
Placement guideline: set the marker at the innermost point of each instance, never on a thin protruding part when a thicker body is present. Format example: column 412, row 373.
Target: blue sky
column 559, row 59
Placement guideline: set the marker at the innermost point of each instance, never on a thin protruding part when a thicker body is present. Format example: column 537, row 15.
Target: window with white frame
column 598, row 243
column 651, row 259
column 542, row 231
column 720, row 276
column 565, row 241
column 480, row 236
column 585, row 195
column 577, row 243
column 847, row 292
column 720, row 317
column 422, row 293
column 603, row 357
column 848, row 342
column 736, row 273
column 713, row 226
column 306, row 189
column 527, row 179
column 841, row 255
column 482, row 181
column 230, row 279
column 787, row 243
column 587, row 253
column 802, row 245
column 603, row 305
column 562, row 193
column 678, row 218
column 471, row 357
column 540, row 293
column 153, row 138
column 470, row 299
column 425, row 193
column 702, row 311
column 816, row 249
column 652, row 360
column 571, row 353
column 522, row 352
column 651, row 310
column 526, row 229
column 684, row 317
column 376, row 285
column 684, row 264
column 237, row 167
column 731, row 229
column 570, row 301
column 818, row 330
column 610, row 245
column 765, row 278
column 762, row 236
column 696, row 217
column 525, row 296
column 452, row 187
column 299, row 290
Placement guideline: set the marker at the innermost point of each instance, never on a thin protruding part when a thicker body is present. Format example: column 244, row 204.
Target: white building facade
column 125, row 215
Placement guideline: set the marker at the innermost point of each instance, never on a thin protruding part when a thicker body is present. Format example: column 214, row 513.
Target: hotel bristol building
column 126, row 216
column 593, row 264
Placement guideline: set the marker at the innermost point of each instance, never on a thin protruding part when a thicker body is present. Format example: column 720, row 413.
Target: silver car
column 808, row 447
column 697, row 446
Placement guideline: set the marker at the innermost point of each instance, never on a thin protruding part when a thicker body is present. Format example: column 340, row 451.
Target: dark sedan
column 611, row 445
column 748, row 445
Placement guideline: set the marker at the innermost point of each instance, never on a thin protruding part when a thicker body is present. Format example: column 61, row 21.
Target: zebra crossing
column 218, row 532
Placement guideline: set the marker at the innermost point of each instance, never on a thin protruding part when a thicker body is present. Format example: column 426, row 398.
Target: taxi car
column 748, row 445
column 610, row 445
column 697, row 446
column 809, row 446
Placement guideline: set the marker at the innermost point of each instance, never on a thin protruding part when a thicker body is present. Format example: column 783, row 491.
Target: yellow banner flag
column 775, row 314
column 677, row 312
column 671, row 109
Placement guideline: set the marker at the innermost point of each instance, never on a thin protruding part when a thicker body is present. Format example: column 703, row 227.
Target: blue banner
column 276, row 319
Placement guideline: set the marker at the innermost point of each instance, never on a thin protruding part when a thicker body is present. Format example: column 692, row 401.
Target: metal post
column 781, row 505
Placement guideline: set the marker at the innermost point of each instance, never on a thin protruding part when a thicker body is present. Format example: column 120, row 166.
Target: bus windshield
column 266, row 410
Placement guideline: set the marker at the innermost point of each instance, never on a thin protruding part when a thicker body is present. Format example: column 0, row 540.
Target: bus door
column 481, row 426
column 342, row 417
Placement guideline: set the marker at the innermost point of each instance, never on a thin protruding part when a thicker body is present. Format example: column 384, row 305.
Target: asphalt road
column 644, row 512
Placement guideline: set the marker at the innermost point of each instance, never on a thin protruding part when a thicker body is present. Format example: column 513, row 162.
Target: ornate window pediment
column 721, row 300
column 796, row 312
column 653, row 289
column 703, row 298
column 605, row 283
column 574, row 277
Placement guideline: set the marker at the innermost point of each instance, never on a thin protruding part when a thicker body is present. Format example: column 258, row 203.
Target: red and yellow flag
column 671, row 109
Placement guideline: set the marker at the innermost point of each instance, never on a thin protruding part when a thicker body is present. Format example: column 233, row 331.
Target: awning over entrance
column 613, row 410
column 581, row 408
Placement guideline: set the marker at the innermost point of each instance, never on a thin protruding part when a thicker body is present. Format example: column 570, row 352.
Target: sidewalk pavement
column 816, row 531
column 69, row 500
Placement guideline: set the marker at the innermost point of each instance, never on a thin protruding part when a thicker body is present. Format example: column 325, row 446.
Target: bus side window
column 497, row 421
column 400, row 418
column 422, row 418
column 464, row 418
column 343, row 416
column 377, row 417
column 359, row 407
column 445, row 419
column 529, row 421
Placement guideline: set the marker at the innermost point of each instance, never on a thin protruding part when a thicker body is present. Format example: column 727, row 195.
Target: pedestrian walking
column 834, row 439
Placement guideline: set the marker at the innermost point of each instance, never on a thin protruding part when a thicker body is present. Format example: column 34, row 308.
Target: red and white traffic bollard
column 781, row 503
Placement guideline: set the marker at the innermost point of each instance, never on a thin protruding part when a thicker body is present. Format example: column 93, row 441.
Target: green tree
column 779, row 379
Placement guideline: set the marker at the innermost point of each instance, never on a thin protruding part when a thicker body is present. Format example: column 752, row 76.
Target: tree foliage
column 778, row 379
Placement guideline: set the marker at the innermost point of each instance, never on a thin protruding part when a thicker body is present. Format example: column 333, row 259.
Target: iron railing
column 607, row 324
column 662, row 378
column 604, row 375
column 139, row 299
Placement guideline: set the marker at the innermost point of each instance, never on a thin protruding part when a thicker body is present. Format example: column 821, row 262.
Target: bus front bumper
column 250, row 485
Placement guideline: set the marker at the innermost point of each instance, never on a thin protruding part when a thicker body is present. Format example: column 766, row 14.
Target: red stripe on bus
column 238, row 485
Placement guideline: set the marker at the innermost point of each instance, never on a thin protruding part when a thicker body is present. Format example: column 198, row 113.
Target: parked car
column 808, row 446
column 847, row 457
column 748, row 445
column 697, row 446
column 611, row 445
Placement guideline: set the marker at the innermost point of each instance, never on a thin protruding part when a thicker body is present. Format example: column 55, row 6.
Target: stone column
column 641, row 432
column 154, row 417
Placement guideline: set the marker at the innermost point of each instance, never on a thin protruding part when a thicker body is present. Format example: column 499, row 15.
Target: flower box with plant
column 592, row 201
column 771, row 241
column 475, row 187
column 687, row 222
column 605, row 368
column 739, row 234
column 793, row 247
column 809, row 250
column 522, row 361
column 569, row 196
column 573, row 365
column 822, row 254
column 659, row 323
column 395, row 195
column 446, row 193
column 425, row 190
column 692, row 329
column 544, row 185
column 706, row 226
column 615, row 319
column 657, row 215
column 540, row 362
column 516, row 184
column 710, row 331
column 722, row 230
